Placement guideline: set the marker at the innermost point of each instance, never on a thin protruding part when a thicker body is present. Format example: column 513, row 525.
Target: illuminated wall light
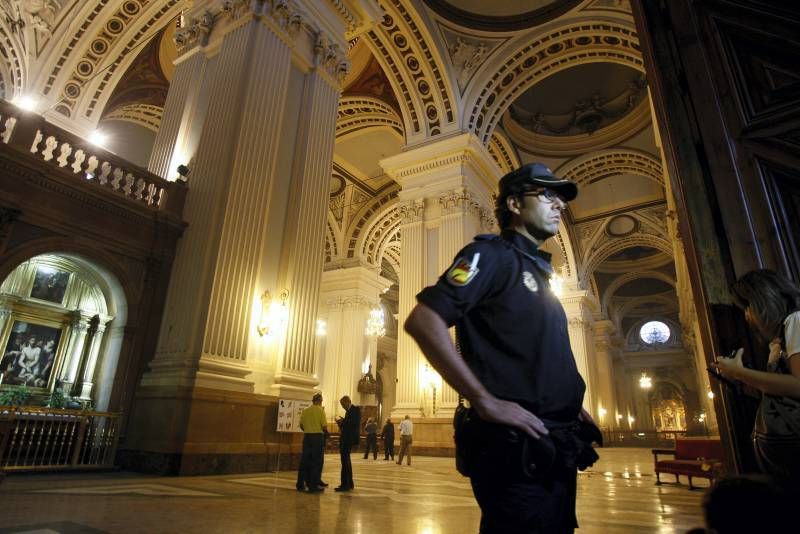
column 645, row 382
column 630, row 421
column 26, row 103
column 322, row 328
column 274, row 315
column 98, row 138
column 601, row 412
column 710, row 394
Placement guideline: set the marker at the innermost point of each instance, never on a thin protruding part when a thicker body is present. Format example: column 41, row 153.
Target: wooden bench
column 693, row 457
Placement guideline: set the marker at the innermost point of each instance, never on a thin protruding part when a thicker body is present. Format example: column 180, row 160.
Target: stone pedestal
column 446, row 199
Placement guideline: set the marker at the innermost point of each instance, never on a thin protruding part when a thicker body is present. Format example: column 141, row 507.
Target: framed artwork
column 29, row 356
column 49, row 284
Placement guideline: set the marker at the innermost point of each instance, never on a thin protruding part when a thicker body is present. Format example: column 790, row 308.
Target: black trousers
column 310, row 470
column 388, row 448
column 513, row 504
column 372, row 445
column 347, row 466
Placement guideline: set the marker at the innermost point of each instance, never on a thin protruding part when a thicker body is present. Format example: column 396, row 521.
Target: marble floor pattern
column 617, row 495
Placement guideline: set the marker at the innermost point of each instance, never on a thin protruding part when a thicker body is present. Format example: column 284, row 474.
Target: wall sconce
column 710, row 394
column 274, row 315
column 430, row 379
column 322, row 328
column 630, row 421
column 375, row 324
column 183, row 173
column 645, row 382
column 601, row 412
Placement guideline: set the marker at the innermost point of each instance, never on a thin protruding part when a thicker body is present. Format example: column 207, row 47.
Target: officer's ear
column 514, row 203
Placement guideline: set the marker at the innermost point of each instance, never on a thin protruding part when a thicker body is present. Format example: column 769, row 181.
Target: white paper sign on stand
column 289, row 412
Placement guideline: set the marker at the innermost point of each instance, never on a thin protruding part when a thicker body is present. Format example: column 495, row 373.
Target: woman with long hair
column 771, row 305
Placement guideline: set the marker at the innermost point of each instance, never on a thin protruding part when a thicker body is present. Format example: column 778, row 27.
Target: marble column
column 86, row 385
column 604, row 374
column 79, row 328
column 446, row 199
column 252, row 112
column 346, row 297
column 578, row 306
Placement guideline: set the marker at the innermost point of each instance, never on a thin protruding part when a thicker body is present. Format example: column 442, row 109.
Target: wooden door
column 725, row 81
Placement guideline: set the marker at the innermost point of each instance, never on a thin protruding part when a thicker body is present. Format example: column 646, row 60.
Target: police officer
column 515, row 365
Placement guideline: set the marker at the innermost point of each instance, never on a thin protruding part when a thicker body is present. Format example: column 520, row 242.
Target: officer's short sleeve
column 471, row 277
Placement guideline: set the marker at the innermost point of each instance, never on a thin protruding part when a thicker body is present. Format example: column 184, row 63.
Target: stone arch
column 391, row 253
column 332, row 247
column 380, row 231
column 12, row 73
column 629, row 277
column 597, row 165
column 574, row 42
column 359, row 112
column 355, row 234
column 403, row 47
column 503, row 151
column 85, row 72
column 612, row 246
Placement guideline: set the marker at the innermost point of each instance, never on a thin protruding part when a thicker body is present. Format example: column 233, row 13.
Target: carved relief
column 412, row 211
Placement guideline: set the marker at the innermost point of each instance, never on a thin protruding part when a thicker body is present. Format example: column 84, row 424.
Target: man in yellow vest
column 314, row 426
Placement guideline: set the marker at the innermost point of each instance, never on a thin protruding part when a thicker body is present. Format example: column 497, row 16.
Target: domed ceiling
column 580, row 100
column 501, row 15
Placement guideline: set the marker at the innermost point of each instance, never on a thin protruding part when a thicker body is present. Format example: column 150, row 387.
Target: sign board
column 289, row 412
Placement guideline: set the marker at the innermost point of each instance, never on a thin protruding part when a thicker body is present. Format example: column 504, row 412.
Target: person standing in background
column 371, row 430
column 406, row 430
column 349, row 426
column 388, row 439
column 314, row 426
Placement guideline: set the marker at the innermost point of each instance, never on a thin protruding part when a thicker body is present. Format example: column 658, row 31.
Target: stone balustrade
column 65, row 152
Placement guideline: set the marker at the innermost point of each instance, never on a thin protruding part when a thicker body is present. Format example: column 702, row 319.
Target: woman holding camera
column 771, row 305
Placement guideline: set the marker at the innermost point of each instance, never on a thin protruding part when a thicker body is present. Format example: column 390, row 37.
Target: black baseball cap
column 540, row 175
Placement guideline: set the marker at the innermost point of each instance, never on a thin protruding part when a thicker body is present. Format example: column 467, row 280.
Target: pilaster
column 604, row 374
column 346, row 298
column 446, row 199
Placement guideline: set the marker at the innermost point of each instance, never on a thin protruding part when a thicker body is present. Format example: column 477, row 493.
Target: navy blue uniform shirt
column 510, row 327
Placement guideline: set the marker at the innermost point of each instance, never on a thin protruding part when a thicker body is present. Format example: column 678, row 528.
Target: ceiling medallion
column 621, row 226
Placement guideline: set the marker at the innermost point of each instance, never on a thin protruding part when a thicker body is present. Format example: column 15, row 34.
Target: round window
column 654, row 333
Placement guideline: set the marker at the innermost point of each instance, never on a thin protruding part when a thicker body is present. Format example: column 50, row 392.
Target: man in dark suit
column 349, row 429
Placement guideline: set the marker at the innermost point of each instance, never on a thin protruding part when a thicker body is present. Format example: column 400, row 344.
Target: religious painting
column 49, row 284
column 30, row 354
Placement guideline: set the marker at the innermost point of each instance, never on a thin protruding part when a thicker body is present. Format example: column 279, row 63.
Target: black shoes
column 323, row 484
column 315, row 490
column 342, row 488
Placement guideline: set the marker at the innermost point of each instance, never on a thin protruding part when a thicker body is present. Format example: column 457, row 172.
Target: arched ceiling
column 500, row 15
column 556, row 81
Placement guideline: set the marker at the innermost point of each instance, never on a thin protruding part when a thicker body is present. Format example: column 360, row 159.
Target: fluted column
column 446, row 200
column 252, row 111
column 87, row 379
column 347, row 296
column 604, row 373
column 577, row 305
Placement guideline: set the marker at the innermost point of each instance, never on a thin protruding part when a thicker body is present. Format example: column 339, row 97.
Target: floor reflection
column 617, row 495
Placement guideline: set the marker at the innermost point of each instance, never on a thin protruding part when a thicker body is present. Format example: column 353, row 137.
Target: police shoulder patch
column 463, row 270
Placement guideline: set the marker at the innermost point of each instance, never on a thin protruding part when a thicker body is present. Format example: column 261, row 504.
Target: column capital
column 444, row 165
column 411, row 211
column 317, row 30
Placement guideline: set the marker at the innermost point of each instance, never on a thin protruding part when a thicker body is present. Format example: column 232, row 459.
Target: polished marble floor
column 617, row 495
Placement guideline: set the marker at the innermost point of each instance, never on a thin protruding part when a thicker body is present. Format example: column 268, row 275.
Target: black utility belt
column 480, row 444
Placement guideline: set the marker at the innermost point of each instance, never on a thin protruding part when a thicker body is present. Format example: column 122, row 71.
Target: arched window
column 654, row 333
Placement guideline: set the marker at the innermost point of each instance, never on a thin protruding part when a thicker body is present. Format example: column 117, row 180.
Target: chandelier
column 375, row 323
column 645, row 382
